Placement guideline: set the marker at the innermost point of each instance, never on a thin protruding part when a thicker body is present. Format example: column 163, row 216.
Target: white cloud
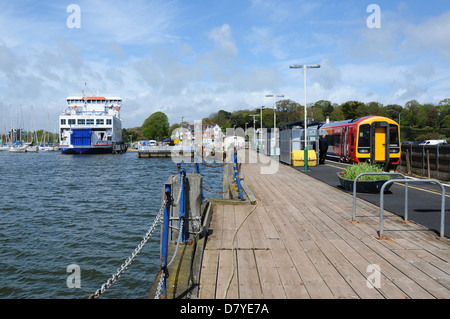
column 223, row 39
column 148, row 53
column 262, row 41
column 431, row 37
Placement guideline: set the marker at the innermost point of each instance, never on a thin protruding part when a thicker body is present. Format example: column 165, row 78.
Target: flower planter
column 362, row 186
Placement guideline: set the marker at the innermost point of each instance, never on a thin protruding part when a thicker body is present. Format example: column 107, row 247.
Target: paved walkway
column 299, row 242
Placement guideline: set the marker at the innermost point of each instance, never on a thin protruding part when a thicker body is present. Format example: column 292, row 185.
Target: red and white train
column 373, row 139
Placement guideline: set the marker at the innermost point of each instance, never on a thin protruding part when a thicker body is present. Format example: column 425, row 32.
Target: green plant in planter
column 354, row 170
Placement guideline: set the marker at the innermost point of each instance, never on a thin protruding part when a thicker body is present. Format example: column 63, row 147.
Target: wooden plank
column 270, row 282
column 314, row 284
column 248, row 279
column 225, row 269
column 208, row 275
column 215, row 234
column 256, row 231
column 228, row 226
column 293, row 285
column 243, row 235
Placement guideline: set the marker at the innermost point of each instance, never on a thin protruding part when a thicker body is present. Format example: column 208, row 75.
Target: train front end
column 378, row 141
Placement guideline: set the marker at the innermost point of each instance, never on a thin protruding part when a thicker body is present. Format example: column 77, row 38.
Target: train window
column 364, row 136
column 352, row 140
column 335, row 140
column 393, row 135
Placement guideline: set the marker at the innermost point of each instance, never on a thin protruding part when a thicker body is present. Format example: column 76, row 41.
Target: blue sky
column 192, row 58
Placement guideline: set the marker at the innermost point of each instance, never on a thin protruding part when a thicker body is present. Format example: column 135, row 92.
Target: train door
column 380, row 142
column 344, row 143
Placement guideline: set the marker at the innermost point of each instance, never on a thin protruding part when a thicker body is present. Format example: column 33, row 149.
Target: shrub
column 354, row 170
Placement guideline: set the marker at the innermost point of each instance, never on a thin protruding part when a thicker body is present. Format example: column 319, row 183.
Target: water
column 89, row 210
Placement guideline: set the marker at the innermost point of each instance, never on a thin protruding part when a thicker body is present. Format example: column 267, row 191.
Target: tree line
column 417, row 121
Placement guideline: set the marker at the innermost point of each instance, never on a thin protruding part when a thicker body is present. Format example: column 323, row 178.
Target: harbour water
column 89, row 210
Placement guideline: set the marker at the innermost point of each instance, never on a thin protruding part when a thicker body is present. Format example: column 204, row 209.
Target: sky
column 190, row 59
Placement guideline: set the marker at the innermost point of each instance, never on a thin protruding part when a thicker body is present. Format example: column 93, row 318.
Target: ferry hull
column 86, row 150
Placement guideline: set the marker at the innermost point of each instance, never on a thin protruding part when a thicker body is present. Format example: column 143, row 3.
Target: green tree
column 288, row 111
column 239, row 118
column 317, row 113
column 156, row 126
column 337, row 114
column 349, row 109
column 376, row 108
column 393, row 111
column 129, row 135
column 362, row 110
column 414, row 114
column 326, row 107
column 221, row 118
column 444, row 113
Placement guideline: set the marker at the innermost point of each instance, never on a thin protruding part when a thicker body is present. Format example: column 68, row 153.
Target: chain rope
column 211, row 191
column 213, row 166
column 141, row 245
column 163, row 275
column 160, row 285
column 133, row 256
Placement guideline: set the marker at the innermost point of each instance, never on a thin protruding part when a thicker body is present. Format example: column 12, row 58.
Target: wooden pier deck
column 299, row 241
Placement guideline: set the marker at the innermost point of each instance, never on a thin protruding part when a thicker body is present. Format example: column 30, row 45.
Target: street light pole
column 254, row 129
column 274, row 123
column 296, row 66
column 260, row 132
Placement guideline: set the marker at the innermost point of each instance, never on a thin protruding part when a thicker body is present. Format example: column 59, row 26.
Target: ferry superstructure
column 91, row 125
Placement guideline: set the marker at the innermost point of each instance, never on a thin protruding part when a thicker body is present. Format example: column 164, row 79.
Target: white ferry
column 91, row 125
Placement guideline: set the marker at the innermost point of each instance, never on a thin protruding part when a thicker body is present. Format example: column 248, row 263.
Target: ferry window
column 90, row 121
column 108, row 121
column 63, row 121
column 71, row 121
column 81, row 121
column 100, row 122
column 364, row 136
column 393, row 135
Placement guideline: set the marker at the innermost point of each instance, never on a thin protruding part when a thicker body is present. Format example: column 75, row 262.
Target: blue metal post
column 182, row 202
column 236, row 175
column 165, row 237
column 197, row 170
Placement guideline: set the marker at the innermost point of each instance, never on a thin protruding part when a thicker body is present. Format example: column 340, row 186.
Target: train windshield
column 393, row 135
column 364, row 137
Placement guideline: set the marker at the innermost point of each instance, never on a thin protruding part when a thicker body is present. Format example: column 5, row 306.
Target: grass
column 356, row 169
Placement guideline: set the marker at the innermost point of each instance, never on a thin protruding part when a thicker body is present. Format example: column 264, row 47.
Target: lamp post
column 274, row 123
column 296, row 66
column 254, row 129
column 260, row 132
